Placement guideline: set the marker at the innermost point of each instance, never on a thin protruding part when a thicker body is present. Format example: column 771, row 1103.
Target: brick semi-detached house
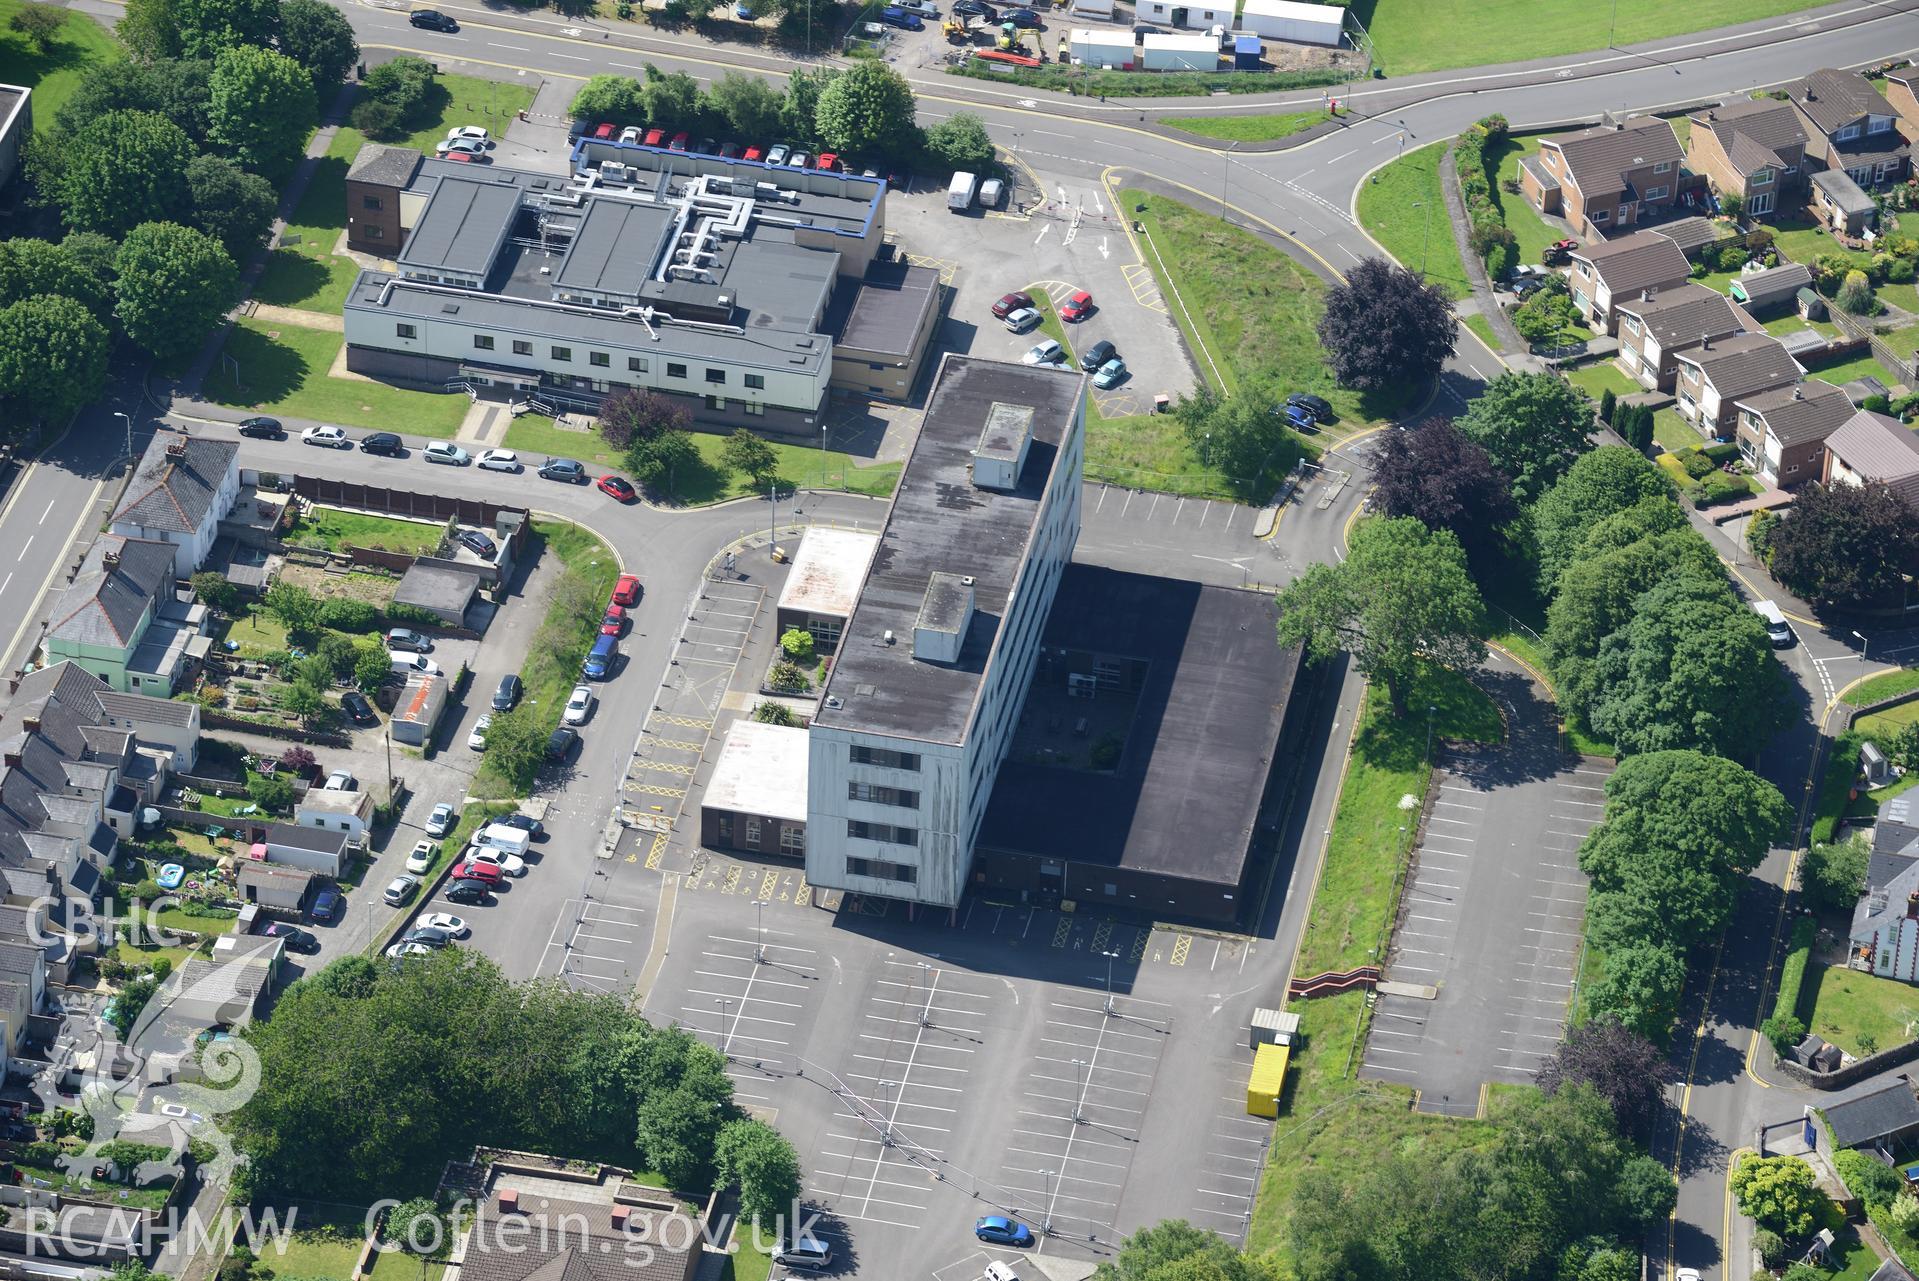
column 1609, row 176
column 1851, row 127
column 1607, row 273
column 1715, row 375
column 1754, row 149
column 1659, row 324
column 1782, row 432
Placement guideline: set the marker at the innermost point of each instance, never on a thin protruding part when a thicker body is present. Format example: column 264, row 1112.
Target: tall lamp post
column 129, row 422
column 1426, row 237
column 1864, row 645
column 1110, row 956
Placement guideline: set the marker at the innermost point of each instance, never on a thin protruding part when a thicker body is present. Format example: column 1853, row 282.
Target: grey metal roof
column 888, row 308
column 462, row 227
column 1682, row 313
column 1744, row 364
column 104, row 606
column 175, row 492
column 299, row 837
column 1775, row 284
column 1877, row 1112
column 941, row 522
column 1833, row 99
column 1598, row 158
column 1643, row 260
column 1843, row 192
column 1879, row 448
column 1184, row 795
column 386, row 166
column 616, row 248
column 1805, row 412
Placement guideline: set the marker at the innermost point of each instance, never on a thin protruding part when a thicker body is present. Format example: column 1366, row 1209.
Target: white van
column 501, row 837
column 1777, row 628
column 960, row 192
column 405, row 664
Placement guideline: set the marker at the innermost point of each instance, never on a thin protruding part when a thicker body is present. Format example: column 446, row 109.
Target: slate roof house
column 1851, row 127
column 1782, row 432
column 1659, row 324
column 1611, row 176
column 1883, row 1113
column 1754, row 149
column 1604, row 274
column 1872, row 447
column 184, row 486
column 1714, row 376
column 123, row 620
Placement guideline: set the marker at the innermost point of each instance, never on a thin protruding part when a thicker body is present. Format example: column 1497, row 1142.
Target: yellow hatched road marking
column 651, row 790
column 667, row 767
column 803, row 896
column 769, row 883
column 732, row 878
column 1103, row 932
column 1181, row 945
column 1139, row 943
column 686, row 721
column 659, row 848
column 678, row 746
column 1062, row 931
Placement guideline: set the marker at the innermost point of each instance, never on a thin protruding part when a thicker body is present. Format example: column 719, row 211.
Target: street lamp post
column 1864, row 645
column 1110, row 956
column 723, row 1002
column 1425, row 237
column 886, row 1122
column 1430, row 709
column 1612, row 28
column 926, row 979
column 1079, row 1099
column 1046, row 1223
column 759, row 932
column 128, row 419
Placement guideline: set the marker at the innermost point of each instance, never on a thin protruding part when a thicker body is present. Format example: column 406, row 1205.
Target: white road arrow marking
column 1102, row 246
column 1042, row 233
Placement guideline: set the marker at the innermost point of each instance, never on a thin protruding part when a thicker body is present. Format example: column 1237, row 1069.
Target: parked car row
column 785, row 155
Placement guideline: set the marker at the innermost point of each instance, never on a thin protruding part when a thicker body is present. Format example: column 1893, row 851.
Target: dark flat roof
column 1183, row 800
column 462, row 227
column 885, row 311
column 615, row 248
column 941, row 522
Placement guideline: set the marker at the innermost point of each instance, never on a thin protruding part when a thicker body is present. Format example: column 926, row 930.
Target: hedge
column 1835, row 790
column 1792, row 974
column 1475, row 184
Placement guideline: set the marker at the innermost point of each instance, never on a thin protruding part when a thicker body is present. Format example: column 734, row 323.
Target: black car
column 1024, row 18
column 357, row 709
column 1147, row 29
column 266, row 428
column 427, row 936
column 563, row 469
column 975, row 8
column 383, row 442
column 507, row 694
column 1317, row 406
column 533, row 827
column 295, row 938
column 477, row 543
column 1098, row 354
column 560, row 743
column 465, row 891
column 432, row 20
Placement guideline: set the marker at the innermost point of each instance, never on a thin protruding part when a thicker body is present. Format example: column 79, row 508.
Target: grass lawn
column 1904, row 341
column 1254, row 308
column 1802, row 241
column 258, row 634
column 1387, row 212
column 1792, row 322
column 127, row 954
column 1885, row 685
column 1855, row 1010
column 1602, row 377
column 1247, row 128
column 325, row 1242
column 283, row 370
column 331, row 529
column 55, row 74
column 798, row 466
column 1857, row 367
column 398, row 1265
column 1717, row 281
column 1429, row 35
column 1671, row 431
column 535, row 434
column 180, row 922
column 1533, row 232
column 1482, row 327
column 149, row 1196
column 1881, row 724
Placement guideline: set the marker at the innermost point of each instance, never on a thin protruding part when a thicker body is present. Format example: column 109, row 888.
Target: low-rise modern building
column 1193, row 17
column 1612, row 176
column 322, row 851
column 824, row 583
column 123, row 618
column 1660, row 323
column 1293, row 21
column 182, row 489
column 926, row 687
column 1714, row 376
column 756, row 798
column 1783, row 432
column 1614, row 270
column 1871, row 448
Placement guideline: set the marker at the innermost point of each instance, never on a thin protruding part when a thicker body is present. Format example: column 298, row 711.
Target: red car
column 616, row 488
column 1078, row 307
column 459, row 157
column 626, row 592
column 654, row 137
column 473, row 870
column 1011, row 303
column 828, row 162
column 679, row 142
column 754, row 152
column 615, row 621
column 606, row 132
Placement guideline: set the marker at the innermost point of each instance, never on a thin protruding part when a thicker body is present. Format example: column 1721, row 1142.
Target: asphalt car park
column 1490, row 917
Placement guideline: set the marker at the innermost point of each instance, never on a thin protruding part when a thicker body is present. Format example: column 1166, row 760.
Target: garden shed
column 1292, row 21
column 1773, row 287
column 1886, row 1113
column 309, row 848
column 438, row 588
column 281, row 889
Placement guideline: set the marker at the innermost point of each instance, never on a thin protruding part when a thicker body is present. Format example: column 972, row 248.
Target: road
column 1303, row 198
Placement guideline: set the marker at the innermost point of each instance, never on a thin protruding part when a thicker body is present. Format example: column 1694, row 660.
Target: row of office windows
column 882, row 869
column 888, row 832
column 598, row 359
column 861, row 755
column 879, row 795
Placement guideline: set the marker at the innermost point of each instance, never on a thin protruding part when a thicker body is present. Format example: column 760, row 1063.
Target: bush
column 1834, row 874
column 774, row 714
column 1905, row 406
column 1873, row 1182
column 1697, row 465
column 1500, row 259
column 1876, row 404
column 1771, row 1247
column 1899, row 271
column 1721, row 454
column 1717, row 487
column 401, row 614
column 1606, row 403
column 1731, row 257
column 271, row 792
column 1856, row 296
column 348, row 615
column 1487, row 226
column 786, row 678
column 798, row 644
column 1784, row 1032
column 1904, row 1212
column 1732, row 204
column 378, row 120
column 1792, row 973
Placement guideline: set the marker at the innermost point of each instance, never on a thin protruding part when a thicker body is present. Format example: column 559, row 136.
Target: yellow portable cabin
column 1269, row 1080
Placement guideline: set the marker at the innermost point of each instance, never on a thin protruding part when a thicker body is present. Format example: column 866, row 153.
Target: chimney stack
column 509, row 1201
column 30, row 725
column 620, row 1212
column 110, row 561
column 1798, row 391
column 11, row 760
column 1912, row 905
column 177, row 447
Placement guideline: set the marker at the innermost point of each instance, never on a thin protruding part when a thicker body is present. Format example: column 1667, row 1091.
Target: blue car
column 327, row 906
column 1000, row 1230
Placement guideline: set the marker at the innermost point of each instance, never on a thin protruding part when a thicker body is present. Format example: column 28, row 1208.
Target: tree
column 149, row 30
column 799, row 114
column 172, row 87
column 371, row 667
column 657, row 463
column 31, row 268
column 1171, row 1250
column 1784, row 1031
column 797, row 642
column 672, row 100
column 770, row 713
column 1778, row 1192
column 305, row 702
column 868, row 110
column 1545, row 316
column 1437, row 476
column 961, row 142
column 271, row 792
column 415, row 1226
column 394, row 95
column 318, row 37
column 1532, row 426
column 1847, row 544
column 750, row 456
column 612, row 100
column 1400, row 598
column 750, row 105
column 1693, row 669
column 210, row 27
column 1238, row 437
column 1855, row 294
column 1623, row 1067
column 1873, row 1182
column 233, row 206
column 262, row 108
column 1607, row 404
column 637, row 416
column 756, row 1157
column 1384, row 327
column 1640, row 986
column 1834, row 873
column 120, row 170
column 1682, row 829
column 39, row 23
column 215, row 591
column 175, row 284
column 1639, row 432
column 1646, row 1190
column 53, row 356
column 516, row 747
column 293, row 606
column 1600, row 483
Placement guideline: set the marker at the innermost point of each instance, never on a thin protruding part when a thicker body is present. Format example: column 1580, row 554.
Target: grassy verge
column 53, row 75
column 331, row 529
column 535, row 434
column 1429, row 35
column 1859, row 1013
column 798, row 465
column 1482, row 328
column 1086, row 83
column 1884, row 685
column 1401, row 207
column 1338, row 1123
column 1531, row 232
column 1247, row 128
column 283, row 370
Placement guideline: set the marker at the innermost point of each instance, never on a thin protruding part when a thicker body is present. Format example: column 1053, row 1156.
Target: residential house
column 530, row 1226
column 1754, row 149
column 1782, row 432
column 1624, row 268
column 347, row 812
column 1841, row 204
column 123, row 619
column 1611, row 176
column 184, row 486
column 1851, row 127
column 1713, row 376
column 1882, row 1114
column 313, row 849
column 1660, row 323
column 1869, row 448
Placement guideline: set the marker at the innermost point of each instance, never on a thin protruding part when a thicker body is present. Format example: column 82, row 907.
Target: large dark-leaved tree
column 1846, row 544
column 1443, row 480
column 115, row 172
column 1385, row 328
column 53, row 358
column 175, row 282
column 319, row 38
column 1626, row 1069
column 1599, row 484
column 1533, row 425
